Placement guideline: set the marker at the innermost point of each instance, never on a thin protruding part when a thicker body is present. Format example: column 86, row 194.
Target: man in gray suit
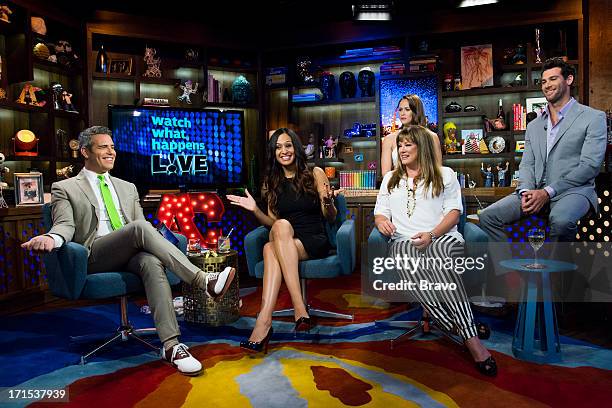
column 103, row 213
column 564, row 150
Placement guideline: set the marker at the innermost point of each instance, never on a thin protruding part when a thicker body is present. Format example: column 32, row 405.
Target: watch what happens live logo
column 171, row 138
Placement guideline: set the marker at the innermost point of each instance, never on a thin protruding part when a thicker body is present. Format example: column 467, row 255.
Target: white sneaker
column 182, row 360
column 218, row 283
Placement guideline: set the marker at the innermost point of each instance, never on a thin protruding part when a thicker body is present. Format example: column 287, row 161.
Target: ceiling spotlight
column 472, row 3
column 373, row 10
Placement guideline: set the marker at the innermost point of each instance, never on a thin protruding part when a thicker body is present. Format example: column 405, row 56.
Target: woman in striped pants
column 418, row 206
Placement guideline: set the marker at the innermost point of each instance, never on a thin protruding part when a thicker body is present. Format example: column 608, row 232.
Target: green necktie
column 109, row 204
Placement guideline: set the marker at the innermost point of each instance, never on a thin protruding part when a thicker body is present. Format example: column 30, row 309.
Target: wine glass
column 536, row 238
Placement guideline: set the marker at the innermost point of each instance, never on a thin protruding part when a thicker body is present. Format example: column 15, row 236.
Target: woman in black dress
column 299, row 203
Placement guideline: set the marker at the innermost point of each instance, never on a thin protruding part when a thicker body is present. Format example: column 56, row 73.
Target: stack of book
column 386, row 50
column 358, row 52
column 215, row 90
column 520, row 117
column 392, row 68
column 276, row 76
column 305, row 97
column 368, row 52
column 423, row 63
column 358, row 180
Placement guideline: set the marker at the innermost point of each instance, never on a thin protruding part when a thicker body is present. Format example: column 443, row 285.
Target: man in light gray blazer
column 103, row 213
column 564, row 150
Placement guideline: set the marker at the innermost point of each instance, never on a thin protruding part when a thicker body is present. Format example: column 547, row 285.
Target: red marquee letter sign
column 177, row 212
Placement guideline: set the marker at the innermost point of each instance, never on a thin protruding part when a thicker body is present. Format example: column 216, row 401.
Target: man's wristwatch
column 433, row 236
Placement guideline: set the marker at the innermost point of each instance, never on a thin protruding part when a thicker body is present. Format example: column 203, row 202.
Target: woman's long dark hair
column 429, row 169
column 416, row 106
column 303, row 181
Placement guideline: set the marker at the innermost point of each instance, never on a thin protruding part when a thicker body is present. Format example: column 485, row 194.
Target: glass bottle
column 457, row 86
column 500, row 111
column 102, row 61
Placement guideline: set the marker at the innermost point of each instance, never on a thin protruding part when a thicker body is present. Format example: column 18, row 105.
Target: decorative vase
column 327, row 85
column 102, row 61
column 241, row 91
column 366, row 81
column 348, row 85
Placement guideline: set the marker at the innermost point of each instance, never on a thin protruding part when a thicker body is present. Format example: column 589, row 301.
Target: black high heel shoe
column 258, row 346
column 487, row 367
column 302, row 324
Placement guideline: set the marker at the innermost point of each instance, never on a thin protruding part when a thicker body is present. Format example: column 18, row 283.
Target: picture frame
column 520, row 146
column 477, row 66
column 120, row 66
column 536, row 105
column 471, row 139
column 29, row 189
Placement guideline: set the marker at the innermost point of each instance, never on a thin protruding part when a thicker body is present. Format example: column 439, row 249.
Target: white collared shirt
column 428, row 211
column 104, row 224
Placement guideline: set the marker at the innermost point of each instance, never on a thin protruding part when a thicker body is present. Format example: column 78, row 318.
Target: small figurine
column 153, row 64
column 67, row 102
column 330, row 147
column 450, row 138
column 57, row 90
column 520, row 56
column 192, row 55
column 5, row 12
column 310, row 147
column 188, row 89
column 65, row 172
column 501, row 174
column 488, row 175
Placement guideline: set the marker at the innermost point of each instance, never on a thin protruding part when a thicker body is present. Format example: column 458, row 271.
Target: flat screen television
column 170, row 148
column 392, row 89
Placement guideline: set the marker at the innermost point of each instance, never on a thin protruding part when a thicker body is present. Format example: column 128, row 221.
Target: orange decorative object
column 330, row 172
column 177, row 211
column 25, row 143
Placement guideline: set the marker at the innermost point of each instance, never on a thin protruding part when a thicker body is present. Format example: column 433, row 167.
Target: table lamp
column 25, row 143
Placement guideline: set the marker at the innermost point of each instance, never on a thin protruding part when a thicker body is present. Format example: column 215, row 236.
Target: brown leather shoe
column 220, row 281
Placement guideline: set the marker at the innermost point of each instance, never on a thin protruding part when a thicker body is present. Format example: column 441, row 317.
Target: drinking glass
column 193, row 245
column 223, row 244
column 536, row 238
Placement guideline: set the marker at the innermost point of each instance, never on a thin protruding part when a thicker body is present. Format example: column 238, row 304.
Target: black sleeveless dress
column 304, row 213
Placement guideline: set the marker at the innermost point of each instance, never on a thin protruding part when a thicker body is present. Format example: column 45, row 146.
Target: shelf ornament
column 153, row 64
column 3, row 170
column 28, row 95
column 188, row 88
column 25, row 143
column 5, row 12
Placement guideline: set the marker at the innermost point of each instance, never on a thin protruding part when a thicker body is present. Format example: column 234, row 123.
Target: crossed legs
column 281, row 257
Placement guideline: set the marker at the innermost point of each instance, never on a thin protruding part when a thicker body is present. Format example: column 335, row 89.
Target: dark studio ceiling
column 277, row 24
column 276, row 13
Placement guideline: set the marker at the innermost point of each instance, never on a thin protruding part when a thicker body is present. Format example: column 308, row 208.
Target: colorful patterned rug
column 339, row 364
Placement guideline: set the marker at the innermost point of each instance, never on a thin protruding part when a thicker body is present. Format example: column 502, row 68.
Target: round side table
column 536, row 334
column 199, row 307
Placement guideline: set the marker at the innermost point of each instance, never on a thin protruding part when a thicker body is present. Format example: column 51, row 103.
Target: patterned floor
column 334, row 365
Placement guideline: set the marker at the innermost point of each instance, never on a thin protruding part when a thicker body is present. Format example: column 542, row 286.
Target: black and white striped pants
column 450, row 308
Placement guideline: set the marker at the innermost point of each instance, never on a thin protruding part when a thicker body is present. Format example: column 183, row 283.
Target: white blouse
column 428, row 211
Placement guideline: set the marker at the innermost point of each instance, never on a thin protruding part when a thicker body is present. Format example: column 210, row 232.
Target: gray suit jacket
column 76, row 212
column 575, row 158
